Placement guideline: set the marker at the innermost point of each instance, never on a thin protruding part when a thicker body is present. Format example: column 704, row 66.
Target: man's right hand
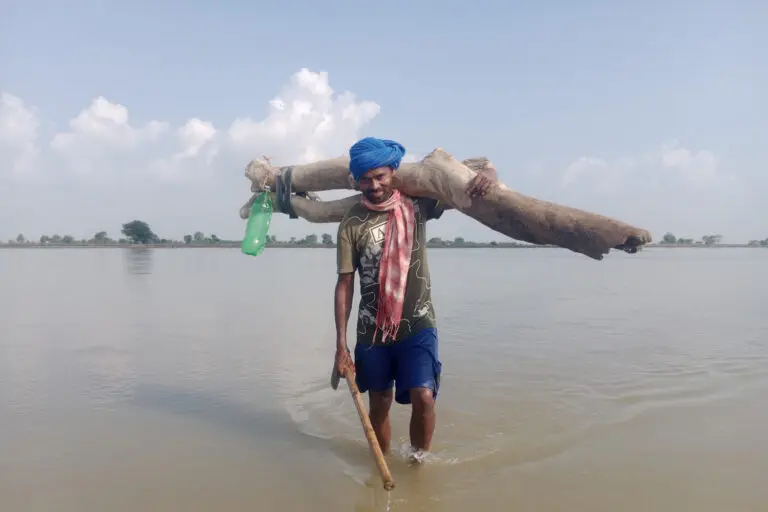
column 343, row 361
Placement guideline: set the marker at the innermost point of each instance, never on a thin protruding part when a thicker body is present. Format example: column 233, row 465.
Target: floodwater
column 198, row 380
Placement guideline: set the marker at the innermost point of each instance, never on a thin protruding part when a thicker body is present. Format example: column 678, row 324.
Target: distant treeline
column 670, row 239
column 139, row 233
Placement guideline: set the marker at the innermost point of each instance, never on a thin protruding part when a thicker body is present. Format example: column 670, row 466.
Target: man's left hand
column 482, row 182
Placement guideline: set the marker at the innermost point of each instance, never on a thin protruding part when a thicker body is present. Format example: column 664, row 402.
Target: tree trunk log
column 440, row 176
column 312, row 210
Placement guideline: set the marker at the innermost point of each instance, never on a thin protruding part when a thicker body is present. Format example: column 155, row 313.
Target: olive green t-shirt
column 360, row 243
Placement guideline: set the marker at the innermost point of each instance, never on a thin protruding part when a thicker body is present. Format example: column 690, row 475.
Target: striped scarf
column 395, row 261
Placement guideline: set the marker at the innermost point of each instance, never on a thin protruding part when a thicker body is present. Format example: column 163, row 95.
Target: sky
column 653, row 113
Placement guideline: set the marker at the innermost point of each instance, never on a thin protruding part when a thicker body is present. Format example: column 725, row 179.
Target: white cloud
column 194, row 136
column 669, row 161
column 101, row 139
column 19, row 127
column 306, row 122
column 670, row 187
column 697, row 166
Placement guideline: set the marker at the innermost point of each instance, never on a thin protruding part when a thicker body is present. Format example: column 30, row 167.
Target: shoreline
column 236, row 245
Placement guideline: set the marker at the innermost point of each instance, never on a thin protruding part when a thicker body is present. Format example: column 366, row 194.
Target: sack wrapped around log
column 440, row 176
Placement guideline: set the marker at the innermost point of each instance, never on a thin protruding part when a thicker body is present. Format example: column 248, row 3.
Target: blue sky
column 652, row 112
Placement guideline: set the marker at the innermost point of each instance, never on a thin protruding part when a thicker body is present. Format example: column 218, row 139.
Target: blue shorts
column 410, row 363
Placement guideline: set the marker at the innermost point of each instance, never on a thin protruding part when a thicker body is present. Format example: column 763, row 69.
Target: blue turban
column 370, row 153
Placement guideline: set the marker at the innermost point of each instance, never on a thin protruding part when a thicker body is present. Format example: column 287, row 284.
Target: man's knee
column 423, row 399
column 380, row 403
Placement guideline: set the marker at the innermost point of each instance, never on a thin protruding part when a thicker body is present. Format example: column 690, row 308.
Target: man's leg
column 418, row 382
column 374, row 372
column 379, row 403
column 423, row 418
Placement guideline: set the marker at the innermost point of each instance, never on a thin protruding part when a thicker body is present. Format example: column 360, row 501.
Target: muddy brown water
column 197, row 380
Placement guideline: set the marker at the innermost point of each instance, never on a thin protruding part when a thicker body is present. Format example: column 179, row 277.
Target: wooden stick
column 370, row 434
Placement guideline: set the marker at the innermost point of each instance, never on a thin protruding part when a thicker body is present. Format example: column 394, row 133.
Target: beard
column 382, row 196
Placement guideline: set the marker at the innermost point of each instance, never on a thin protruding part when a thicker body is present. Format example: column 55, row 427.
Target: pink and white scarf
column 395, row 261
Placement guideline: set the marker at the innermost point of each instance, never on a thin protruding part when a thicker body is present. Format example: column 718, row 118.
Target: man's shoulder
column 352, row 213
column 422, row 200
column 429, row 208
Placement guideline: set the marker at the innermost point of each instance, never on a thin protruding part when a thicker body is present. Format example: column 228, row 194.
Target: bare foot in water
column 417, row 457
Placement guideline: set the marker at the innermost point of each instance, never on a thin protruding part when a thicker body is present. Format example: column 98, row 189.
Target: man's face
column 376, row 184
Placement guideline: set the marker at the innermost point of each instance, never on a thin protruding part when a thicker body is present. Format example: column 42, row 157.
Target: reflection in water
column 138, row 260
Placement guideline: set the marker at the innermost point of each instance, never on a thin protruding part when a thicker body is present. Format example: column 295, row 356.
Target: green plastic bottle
column 258, row 225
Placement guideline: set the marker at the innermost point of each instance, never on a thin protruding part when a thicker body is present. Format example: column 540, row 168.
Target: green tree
column 215, row 239
column 187, row 239
column 67, row 239
column 101, row 238
column 21, row 239
column 327, row 239
column 199, row 236
column 669, row 238
column 711, row 239
column 310, row 239
column 458, row 240
column 138, row 232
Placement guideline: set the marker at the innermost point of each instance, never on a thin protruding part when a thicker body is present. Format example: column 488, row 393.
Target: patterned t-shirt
column 360, row 246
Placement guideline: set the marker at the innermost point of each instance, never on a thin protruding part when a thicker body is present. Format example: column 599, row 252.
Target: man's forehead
column 378, row 172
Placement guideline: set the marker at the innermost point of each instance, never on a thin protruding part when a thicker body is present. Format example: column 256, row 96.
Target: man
column 384, row 238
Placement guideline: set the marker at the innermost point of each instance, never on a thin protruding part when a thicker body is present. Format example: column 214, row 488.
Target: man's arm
column 342, row 297
column 342, row 306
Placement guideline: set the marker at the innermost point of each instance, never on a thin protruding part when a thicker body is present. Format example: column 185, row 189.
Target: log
column 311, row 210
column 440, row 176
column 331, row 175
